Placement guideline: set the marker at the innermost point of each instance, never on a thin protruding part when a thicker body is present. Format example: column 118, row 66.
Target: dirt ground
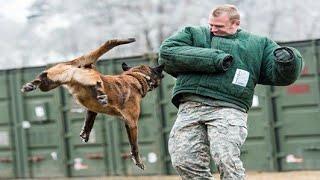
column 294, row 175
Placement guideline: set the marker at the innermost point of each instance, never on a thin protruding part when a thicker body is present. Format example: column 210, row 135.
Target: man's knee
column 230, row 166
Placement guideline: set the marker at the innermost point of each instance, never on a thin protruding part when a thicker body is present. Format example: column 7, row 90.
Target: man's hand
column 283, row 55
column 227, row 62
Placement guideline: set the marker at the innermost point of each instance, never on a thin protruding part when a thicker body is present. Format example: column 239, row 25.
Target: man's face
column 222, row 25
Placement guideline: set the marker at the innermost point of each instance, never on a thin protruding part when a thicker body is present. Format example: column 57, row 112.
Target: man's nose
column 214, row 30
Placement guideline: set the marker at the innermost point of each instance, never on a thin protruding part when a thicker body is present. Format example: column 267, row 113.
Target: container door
column 86, row 159
column 7, row 161
column 43, row 129
column 169, row 115
column 298, row 115
column 260, row 141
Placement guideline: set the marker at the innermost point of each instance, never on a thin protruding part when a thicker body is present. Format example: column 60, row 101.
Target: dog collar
column 148, row 79
column 143, row 80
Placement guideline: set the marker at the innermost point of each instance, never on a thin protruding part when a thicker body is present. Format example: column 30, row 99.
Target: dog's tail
column 93, row 56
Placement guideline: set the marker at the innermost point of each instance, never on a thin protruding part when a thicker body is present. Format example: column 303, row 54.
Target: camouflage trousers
column 200, row 131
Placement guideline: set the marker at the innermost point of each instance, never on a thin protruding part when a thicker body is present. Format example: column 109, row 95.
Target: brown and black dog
column 117, row 95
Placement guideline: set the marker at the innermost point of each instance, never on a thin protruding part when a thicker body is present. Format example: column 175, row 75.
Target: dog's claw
column 137, row 161
column 140, row 165
column 28, row 87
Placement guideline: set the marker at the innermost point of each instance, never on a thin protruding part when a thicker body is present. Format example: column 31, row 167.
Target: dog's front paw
column 28, row 87
column 101, row 96
column 84, row 136
column 102, row 99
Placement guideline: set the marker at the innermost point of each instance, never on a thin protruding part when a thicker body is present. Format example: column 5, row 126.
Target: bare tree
column 60, row 29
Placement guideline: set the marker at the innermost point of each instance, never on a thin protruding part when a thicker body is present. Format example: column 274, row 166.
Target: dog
column 116, row 95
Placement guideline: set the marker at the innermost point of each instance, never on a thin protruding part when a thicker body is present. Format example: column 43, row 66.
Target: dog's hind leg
column 130, row 115
column 132, row 131
column 87, row 125
column 101, row 96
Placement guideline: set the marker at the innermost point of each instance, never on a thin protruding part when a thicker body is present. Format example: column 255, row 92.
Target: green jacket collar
column 232, row 36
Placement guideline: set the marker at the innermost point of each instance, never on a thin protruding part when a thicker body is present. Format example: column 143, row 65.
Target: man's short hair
column 231, row 10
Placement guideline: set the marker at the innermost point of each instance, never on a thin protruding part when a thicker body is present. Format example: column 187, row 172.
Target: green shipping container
column 86, row 159
column 298, row 114
column 258, row 151
column 42, row 128
column 169, row 114
column 39, row 132
column 7, row 150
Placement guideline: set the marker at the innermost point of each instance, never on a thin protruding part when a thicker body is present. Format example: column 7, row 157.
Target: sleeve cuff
column 287, row 62
column 224, row 62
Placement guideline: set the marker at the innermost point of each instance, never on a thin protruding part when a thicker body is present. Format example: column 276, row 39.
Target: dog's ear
column 159, row 68
column 125, row 67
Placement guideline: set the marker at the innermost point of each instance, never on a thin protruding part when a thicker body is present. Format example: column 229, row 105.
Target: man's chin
column 222, row 35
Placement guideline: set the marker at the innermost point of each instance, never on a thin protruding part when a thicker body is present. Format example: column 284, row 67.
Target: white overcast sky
column 283, row 20
column 15, row 10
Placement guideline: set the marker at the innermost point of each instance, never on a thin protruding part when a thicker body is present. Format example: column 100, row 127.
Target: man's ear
column 236, row 23
column 125, row 67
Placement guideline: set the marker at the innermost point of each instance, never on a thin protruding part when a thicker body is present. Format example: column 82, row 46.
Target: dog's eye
column 88, row 66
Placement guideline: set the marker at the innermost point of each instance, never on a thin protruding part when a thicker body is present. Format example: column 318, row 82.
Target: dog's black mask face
column 156, row 76
column 155, row 73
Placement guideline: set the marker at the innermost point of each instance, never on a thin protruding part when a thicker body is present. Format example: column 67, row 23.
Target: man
column 217, row 68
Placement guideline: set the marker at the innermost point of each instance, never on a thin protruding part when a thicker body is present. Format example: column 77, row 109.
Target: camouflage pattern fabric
column 202, row 130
